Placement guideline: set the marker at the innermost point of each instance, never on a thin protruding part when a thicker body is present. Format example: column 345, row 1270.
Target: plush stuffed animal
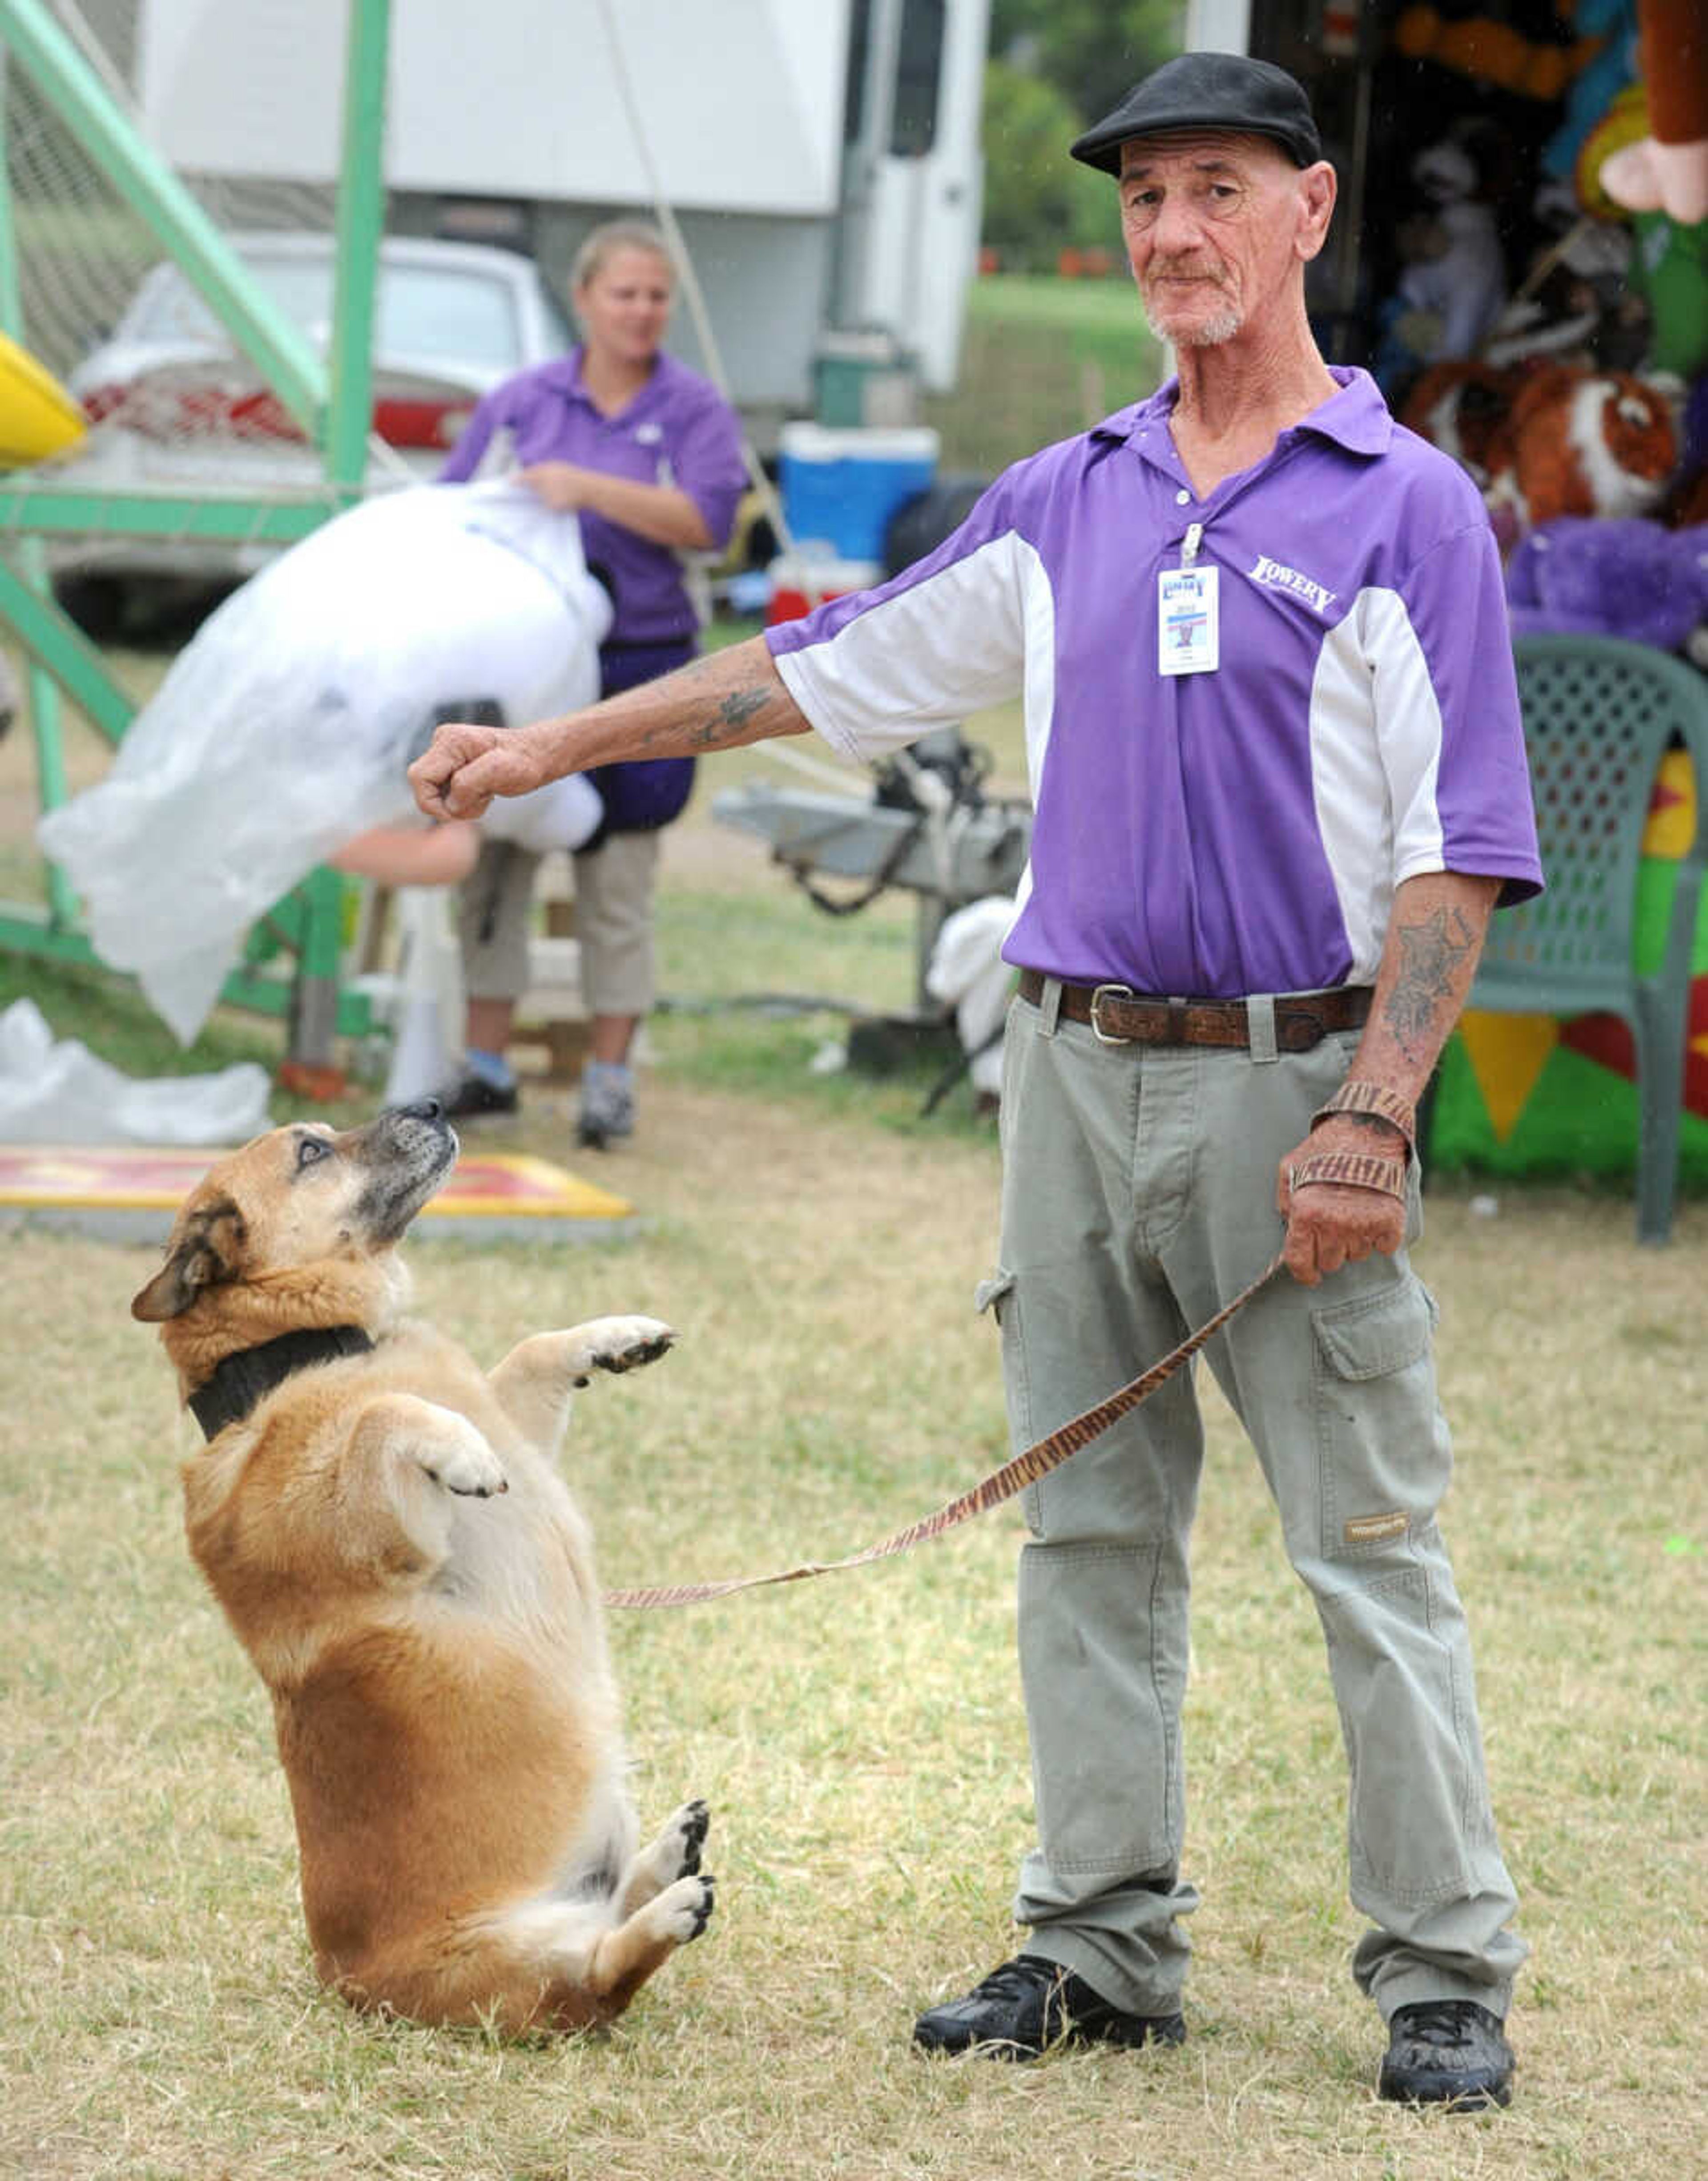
column 1607, row 39
column 1576, row 303
column 1456, row 277
column 1463, row 407
column 1493, row 52
column 1625, row 122
column 1585, row 443
column 1667, row 170
column 1633, row 578
column 1668, row 273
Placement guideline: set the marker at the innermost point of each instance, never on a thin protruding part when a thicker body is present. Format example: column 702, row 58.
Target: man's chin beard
column 1209, row 333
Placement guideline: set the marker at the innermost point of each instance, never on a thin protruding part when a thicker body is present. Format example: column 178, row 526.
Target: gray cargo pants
column 1138, row 1195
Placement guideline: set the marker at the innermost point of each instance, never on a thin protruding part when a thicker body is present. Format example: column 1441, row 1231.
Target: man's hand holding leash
column 1342, row 1190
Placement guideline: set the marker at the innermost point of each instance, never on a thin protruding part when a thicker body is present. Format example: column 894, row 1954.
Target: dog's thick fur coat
column 390, row 1539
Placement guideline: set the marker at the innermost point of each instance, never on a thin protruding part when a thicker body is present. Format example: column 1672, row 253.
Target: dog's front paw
column 464, row 1463
column 622, row 1343
column 686, row 1907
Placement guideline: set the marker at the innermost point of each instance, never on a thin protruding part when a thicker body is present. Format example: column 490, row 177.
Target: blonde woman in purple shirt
column 1272, row 727
column 647, row 455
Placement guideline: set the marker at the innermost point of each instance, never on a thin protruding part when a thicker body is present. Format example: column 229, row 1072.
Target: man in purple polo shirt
column 1274, row 742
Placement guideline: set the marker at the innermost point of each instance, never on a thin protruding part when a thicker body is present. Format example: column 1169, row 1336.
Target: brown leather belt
column 1120, row 1017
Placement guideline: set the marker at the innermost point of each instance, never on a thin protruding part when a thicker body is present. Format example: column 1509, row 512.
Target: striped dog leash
column 1025, row 1468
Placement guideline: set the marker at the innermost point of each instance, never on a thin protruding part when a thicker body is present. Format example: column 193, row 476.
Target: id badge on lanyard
column 1189, row 635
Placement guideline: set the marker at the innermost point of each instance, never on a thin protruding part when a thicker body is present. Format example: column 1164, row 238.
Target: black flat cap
column 1209, row 91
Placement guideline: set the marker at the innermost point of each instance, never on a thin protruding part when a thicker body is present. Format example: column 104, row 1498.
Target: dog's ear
column 210, row 1250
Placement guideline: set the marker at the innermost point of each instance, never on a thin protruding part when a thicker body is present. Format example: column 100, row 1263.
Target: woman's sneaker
column 474, row 1091
column 608, row 1104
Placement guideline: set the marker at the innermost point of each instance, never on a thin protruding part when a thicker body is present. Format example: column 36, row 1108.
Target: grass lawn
column 1041, row 359
column 860, row 1739
column 817, row 1243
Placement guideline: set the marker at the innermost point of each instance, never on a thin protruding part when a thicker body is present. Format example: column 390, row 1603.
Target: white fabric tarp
column 57, row 1092
column 285, row 726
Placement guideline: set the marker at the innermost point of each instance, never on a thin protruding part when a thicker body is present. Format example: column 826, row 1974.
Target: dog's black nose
column 423, row 1109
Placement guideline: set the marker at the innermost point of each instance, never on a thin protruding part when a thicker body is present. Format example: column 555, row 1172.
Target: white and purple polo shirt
column 1233, row 831
column 678, row 430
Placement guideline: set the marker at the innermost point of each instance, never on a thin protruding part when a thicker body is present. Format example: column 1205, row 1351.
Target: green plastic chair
column 1600, row 714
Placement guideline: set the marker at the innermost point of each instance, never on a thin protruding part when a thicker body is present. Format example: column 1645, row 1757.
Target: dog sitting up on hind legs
column 386, row 1529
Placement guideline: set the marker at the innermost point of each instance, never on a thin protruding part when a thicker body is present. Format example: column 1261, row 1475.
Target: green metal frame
column 333, row 401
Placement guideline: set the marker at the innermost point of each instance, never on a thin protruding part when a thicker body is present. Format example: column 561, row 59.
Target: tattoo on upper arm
column 1431, row 953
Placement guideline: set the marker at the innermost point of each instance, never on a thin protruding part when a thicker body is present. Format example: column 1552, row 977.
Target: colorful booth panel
column 1530, row 1094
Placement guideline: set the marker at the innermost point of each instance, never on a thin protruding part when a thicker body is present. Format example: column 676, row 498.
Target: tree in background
column 1092, row 50
column 1056, row 66
column 1037, row 201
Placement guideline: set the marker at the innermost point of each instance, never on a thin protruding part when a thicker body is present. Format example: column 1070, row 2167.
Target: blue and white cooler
column 840, row 487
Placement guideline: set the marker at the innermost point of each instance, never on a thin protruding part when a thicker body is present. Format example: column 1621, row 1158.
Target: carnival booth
column 1526, row 274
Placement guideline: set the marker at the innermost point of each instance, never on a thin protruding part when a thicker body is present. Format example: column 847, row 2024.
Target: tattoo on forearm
column 733, row 711
column 741, row 704
column 1430, row 956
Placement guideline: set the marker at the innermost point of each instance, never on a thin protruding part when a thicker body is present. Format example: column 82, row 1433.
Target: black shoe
column 468, row 1096
column 1030, row 2004
column 1446, row 2051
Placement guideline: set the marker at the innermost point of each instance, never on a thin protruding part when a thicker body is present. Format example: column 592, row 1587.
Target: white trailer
column 821, row 157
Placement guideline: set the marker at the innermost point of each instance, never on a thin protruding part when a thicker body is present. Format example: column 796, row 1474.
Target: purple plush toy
column 1591, row 576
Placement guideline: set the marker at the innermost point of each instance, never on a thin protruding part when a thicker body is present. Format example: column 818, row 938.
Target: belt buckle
column 1113, row 992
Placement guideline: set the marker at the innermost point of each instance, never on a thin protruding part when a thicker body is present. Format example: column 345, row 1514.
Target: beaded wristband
column 1350, row 1170
column 1358, row 1096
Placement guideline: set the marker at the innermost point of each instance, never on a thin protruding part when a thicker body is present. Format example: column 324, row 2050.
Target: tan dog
column 382, row 1524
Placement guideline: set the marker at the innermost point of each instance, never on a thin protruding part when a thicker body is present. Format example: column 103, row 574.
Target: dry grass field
column 860, row 1738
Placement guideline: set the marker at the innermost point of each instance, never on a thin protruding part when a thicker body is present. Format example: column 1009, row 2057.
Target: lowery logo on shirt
column 1280, row 578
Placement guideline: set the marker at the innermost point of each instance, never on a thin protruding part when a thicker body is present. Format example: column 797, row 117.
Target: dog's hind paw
column 689, row 1826
column 686, row 1907
column 673, row 1854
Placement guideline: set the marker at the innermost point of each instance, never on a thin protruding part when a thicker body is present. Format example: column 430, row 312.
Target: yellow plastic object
column 1625, row 122
column 37, row 417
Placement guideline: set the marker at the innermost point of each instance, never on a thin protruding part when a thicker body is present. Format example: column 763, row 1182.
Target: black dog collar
column 240, row 1380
